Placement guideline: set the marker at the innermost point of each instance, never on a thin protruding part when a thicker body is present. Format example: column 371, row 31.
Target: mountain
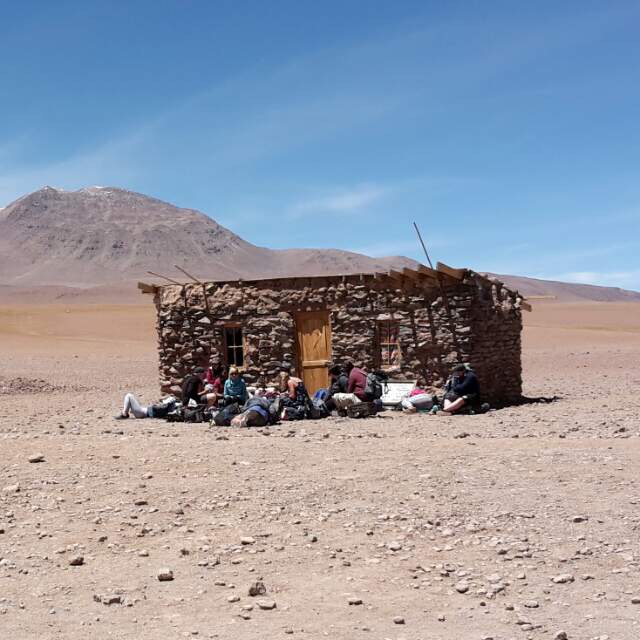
column 533, row 288
column 103, row 235
column 93, row 244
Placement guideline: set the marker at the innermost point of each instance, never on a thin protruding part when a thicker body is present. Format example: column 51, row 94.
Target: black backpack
column 376, row 384
column 195, row 414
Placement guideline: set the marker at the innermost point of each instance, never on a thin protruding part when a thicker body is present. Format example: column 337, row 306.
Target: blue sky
column 508, row 130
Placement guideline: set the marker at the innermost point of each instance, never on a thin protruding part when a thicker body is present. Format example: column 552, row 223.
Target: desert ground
column 521, row 523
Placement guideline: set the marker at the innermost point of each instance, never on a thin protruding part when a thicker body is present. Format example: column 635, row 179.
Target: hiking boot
column 120, row 416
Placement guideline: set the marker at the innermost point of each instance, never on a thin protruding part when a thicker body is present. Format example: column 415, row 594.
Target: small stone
column 234, row 598
column 353, row 601
column 36, row 458
column 140, row 502
column 76, row 561
column 398, row 620
column 11, row 488
column 462, row 586
column 635, row 600
column 266, row 605
column 247, row 540
column 165, row 575
column 563, row 578
column 579, row 518
column 143, row 553
column 561, row 635
column 109, row 599
column 531, row 604
column 441, row 617
column 394, row 546
column 257, row 589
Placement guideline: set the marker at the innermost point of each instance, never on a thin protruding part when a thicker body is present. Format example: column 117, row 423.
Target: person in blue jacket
column 235, row 390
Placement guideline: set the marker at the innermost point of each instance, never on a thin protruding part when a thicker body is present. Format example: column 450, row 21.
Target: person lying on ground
column 418, row 399
column 193, row 387
column 461, row 389
column 235, row 389
column 133, row 406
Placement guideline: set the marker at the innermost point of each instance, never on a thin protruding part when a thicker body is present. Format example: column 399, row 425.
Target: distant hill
column 567, row 291
column 104, row 235
column 94, row 244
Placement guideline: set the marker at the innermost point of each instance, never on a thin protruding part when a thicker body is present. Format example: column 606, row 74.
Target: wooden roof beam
column 147, row 288
column 458, row 274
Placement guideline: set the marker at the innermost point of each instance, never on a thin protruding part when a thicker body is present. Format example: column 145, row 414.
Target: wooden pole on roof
column 186, row 273
column 157, row 275
column 424, row 248
column 445, row 300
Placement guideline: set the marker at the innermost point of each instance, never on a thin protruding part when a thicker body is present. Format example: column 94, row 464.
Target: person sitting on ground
column 418, row 399
column 216, row 375
column 462, row 389
column 356, row 385
column 133, row 406
column 338, row 385
column 290, row 385
column 235, row 389
column 193, row 387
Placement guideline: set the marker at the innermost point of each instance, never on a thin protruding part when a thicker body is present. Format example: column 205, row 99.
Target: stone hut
column 412, row 323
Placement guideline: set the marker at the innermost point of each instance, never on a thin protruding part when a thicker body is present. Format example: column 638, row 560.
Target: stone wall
column 476, row 322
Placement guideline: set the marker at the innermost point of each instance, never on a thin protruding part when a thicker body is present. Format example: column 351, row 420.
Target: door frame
column 299, row 356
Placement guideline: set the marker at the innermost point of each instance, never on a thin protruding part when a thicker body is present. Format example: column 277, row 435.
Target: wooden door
column 314, row 349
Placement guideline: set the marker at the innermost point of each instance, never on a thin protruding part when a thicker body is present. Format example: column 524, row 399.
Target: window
column 389, row 343
column 234, row 346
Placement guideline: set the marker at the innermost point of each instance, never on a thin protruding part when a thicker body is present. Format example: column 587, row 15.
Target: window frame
column 384, row 330
column 242, row 346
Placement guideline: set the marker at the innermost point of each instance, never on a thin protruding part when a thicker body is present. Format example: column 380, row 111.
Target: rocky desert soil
column 521, row 523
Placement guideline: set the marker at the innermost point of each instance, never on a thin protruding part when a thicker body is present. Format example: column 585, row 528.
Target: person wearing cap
column 461, row 389
column 193, row 387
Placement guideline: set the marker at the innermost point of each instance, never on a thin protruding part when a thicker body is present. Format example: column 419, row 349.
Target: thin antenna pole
column 424, row 248
column 186, row 273
column 157, row 275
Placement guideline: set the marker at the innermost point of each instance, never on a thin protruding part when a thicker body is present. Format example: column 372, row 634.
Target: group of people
column 217, row 388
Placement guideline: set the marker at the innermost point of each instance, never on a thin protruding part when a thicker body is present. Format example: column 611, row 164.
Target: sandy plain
column 522, row 523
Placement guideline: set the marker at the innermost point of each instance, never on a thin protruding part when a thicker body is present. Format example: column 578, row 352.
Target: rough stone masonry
column 437, row 323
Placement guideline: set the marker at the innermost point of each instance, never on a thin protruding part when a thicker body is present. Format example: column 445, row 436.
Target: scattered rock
column 462, row 586
column 257, row 589
column 563, row 578
column 109, row 599
column 398, row 620
column 579, row 518
column 353, row 601
column 76, row 561
column 247, row 540
column 36, row 458
column 266, row 605
column 561, row 635
column 531, row 604
column 165, row 575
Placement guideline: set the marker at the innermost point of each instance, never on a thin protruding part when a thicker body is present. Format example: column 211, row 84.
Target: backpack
column 195, row 414
column 318, row 409
column 361, row 410
column 321, row 394
column 224, row 416
column 177, row 415
column 374, row 387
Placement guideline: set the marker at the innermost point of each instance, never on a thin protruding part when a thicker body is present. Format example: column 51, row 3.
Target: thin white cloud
column 345, row 202
column 623, row 279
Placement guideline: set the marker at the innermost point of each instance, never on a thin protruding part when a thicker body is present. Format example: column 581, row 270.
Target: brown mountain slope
column 102, row 235
column 567, row 291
